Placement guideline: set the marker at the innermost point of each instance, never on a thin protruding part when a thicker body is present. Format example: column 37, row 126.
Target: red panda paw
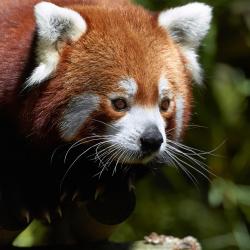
column 18, row 210
column 49, row 216
column 14, row 215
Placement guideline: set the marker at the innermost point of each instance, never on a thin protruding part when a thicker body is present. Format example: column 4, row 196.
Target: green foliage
column 217, row 212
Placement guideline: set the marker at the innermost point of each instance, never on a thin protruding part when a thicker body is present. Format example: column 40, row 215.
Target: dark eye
column 120, row 104
column 165, row 104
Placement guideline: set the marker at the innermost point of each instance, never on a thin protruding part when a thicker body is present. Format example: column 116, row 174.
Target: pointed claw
column 63, row 196
column 99, row 190
column 47, row 217
column 59, row 211
column 75, row 195
column 27, row 217
column 131, row 185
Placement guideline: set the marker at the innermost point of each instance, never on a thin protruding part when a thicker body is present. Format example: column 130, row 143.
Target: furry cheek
column 79, row 109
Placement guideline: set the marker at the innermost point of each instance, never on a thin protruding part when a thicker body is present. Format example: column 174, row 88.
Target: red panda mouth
column 123, row 157
column 143, row 158
column 68, row 161
column 108, row 156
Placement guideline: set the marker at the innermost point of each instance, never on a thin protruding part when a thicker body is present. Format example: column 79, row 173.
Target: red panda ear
column 54, row 26
column 188, row 25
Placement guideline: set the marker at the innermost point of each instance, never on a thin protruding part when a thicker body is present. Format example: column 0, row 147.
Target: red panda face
column 122, row 84
column 124, row 123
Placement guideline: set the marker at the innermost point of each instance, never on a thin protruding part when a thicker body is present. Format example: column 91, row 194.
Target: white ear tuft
column 188, row 25
column 54, row 25
column 54, row 22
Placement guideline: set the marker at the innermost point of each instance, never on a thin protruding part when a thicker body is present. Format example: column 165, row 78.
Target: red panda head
column 116, row 78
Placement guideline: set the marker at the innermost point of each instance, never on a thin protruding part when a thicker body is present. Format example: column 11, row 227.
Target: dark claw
column 131, row 186
column 59, row 212
column 75, row 196
column 99, row 191
column 45, row 216
column 25, row 215
column 63, row 197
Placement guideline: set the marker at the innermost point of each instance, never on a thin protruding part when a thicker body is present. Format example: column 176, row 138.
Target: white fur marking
column 179, row 116
column 188, row 25
column 163, row 85
column 193, row 65
column 77, row 112
column 54, row 25
column 164, row 89
column 129, row 85
column 128, row 130
column 44, row 70
column 54, row 22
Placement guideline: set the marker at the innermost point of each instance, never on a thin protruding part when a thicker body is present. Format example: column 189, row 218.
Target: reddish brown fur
column 122, row 40
column 127, row 35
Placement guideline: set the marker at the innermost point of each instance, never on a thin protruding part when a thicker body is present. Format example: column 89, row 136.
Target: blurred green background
column 217, row 212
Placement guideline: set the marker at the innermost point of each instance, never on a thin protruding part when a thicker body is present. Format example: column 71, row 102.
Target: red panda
column 97, row 81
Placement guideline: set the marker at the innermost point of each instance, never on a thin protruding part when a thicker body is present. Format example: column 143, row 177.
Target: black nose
column 151, row 139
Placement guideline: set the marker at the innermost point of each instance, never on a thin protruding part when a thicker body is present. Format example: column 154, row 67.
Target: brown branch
column 167, row 243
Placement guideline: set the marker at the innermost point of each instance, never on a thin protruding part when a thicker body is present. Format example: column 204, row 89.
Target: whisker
column 195, row 126
column 76, row 159
column 108, row 162
column 128, row 157
column 101, row 158
column 104, row 151
column 81, row 142
column 185, row 170
column 194, row 151
column 106, row 124
column 197, row 151
column 199, row 163
column 197, row 170
column 189, row 126
column 54, row 153
column 121, row 152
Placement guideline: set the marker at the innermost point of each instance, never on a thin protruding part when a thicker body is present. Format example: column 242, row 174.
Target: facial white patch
column 179, row 116
column 78, row 111
column 163, row 85
column 164, row 88
column 127, row 131
column 129, row 85
column 54, row 25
